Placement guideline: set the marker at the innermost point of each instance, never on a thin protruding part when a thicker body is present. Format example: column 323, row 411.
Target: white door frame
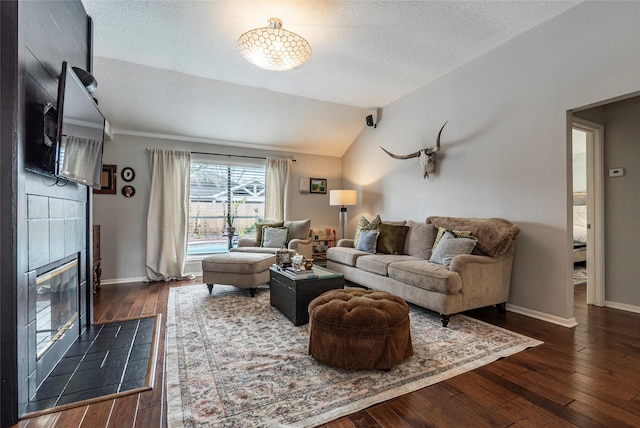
column 595, row 210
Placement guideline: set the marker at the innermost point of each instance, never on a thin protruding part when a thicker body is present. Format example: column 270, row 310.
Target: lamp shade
column 343, row 197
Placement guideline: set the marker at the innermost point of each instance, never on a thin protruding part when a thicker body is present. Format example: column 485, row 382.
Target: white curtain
column 276, row 189
column 81, row 158
column 167, row 218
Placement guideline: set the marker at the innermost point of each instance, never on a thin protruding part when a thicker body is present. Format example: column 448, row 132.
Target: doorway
column 588, row 204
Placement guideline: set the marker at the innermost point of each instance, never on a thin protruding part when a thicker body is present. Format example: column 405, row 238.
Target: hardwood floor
column 588, row 376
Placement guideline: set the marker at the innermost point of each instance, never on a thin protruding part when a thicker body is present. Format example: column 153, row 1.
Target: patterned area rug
column 236, row 361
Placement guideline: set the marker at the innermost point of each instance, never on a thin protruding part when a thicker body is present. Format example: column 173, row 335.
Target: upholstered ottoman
column 244, row 270
column 354, row 328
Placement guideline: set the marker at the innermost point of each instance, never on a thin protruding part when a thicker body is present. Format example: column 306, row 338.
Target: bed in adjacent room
column 579, row 227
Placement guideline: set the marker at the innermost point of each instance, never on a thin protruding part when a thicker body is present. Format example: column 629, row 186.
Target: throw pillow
column 456, row 233
column 298, row 229
column 419, row 239
column 368, row 240
column 260, row 226
column 364, row 224
column 391, row 238
column 274, row 237
column 449, row 246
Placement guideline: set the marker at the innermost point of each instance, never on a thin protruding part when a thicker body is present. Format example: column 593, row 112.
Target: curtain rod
column 234, row 156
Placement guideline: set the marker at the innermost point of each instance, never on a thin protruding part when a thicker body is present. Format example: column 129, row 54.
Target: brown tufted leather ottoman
column 354, row 328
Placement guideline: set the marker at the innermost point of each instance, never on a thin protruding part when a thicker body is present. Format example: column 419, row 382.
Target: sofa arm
column 247, row 241
column 302, row 246
column 485, row 280
column 345, row 242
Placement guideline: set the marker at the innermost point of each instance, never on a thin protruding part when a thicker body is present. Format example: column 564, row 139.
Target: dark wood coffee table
column 292, row 296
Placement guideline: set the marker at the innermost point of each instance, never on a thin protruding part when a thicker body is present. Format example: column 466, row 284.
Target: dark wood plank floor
column 588, row 376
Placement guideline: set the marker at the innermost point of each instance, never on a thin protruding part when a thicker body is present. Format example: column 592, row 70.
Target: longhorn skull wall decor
column 427, row 156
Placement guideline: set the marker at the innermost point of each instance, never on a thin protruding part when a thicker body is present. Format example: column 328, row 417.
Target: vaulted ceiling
column 172, row 68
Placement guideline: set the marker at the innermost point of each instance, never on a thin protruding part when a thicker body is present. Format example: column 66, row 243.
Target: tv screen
column 80, row 133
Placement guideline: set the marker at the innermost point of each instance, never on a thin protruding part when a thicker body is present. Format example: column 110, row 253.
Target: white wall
column 123, row 220
column 505, row 149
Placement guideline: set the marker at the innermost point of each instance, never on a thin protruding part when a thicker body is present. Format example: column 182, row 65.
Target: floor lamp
column 343, row 198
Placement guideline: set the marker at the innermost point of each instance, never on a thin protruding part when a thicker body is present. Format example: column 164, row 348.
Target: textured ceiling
column 172, row 67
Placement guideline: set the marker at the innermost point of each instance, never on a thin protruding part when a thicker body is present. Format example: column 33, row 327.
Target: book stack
column 290, row 272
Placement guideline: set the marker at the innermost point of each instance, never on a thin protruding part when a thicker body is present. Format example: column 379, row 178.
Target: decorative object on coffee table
column 357, row 328
column 291, row 294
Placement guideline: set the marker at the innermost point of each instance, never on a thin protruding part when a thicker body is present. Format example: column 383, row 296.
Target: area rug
column 236, row 361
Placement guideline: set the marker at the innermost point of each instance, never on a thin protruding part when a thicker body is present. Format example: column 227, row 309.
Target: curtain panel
column 167, row 218
column 277, row 189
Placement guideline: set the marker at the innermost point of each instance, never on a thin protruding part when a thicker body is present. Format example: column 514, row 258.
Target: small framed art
column 317, row 185
column 107, row 180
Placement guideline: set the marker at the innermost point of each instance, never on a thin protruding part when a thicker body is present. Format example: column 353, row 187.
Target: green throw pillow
column 391, row 238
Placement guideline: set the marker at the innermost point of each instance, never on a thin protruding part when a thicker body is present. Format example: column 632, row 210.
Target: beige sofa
column 471, row 281
column 298, row 239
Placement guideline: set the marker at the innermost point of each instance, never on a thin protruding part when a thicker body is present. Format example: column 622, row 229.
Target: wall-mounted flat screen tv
column 74, row 151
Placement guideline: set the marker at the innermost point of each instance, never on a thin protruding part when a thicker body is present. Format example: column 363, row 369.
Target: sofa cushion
column 450, row 246
column 379, row 263
column 419, row 240
column 495, row 235
column 426, row 275
column 260, row 226
column 368, row 241
column 274, row 237
column 248, row 263
column 391, row 238
column 298, row 229
column 364, row 224
column 344, row 255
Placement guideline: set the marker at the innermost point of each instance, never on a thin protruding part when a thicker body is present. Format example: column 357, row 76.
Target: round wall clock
column 128, row 174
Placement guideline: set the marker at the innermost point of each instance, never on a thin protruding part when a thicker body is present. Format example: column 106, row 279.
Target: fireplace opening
column 57, row 322
column 56, row 305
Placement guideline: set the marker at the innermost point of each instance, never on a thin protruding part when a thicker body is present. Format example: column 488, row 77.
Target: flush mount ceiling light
column 273, row 48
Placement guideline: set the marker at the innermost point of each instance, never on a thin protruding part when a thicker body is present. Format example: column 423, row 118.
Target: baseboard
column 139, row 279
column 564, row 322
column 622, row 306
column 123, row 280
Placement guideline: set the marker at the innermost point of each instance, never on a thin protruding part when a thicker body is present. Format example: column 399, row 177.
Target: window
column 220, row 192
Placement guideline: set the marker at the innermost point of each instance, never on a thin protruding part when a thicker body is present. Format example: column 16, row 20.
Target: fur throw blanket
column 495, row 235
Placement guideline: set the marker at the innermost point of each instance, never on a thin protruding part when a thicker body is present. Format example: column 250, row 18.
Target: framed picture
column 317, row 185
column 107, row 180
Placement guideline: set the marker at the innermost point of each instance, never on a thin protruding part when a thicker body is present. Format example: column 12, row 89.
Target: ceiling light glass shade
column 273, row 48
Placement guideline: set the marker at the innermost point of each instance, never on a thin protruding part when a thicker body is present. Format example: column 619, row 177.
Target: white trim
column 622, row 306
column 595, row 210
column 123, row 280
column 564, row 322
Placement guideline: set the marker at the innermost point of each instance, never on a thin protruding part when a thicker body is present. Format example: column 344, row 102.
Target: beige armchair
column 298, row 240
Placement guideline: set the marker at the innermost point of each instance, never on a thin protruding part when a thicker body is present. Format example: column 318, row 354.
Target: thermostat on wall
column 616, row 172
